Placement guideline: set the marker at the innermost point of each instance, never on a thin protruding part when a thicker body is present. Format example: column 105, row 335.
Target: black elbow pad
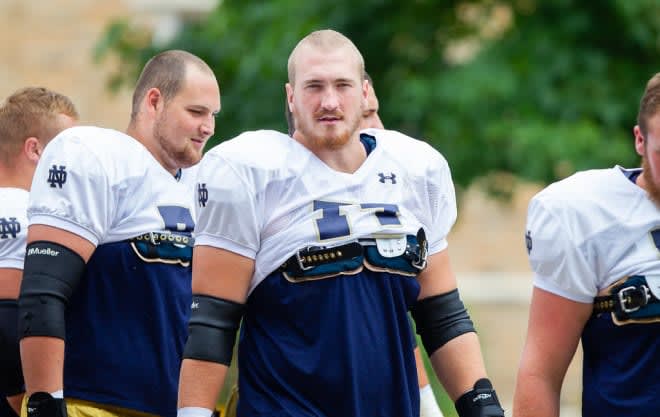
column 50, row 276
column 212, row 329
column 441, row 318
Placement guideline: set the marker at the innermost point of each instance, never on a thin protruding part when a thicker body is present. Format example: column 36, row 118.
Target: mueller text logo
column 57, row 176
column 42, row 251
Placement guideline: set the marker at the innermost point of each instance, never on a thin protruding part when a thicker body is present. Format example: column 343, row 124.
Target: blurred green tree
column 534, row 88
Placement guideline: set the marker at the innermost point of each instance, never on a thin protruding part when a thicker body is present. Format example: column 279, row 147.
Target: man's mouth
column 198, row 142
column 329, row 119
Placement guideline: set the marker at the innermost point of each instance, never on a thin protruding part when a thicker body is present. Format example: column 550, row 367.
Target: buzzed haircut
column 31, row 112
column 649, row 105
column 166, row 72
column 325, row 40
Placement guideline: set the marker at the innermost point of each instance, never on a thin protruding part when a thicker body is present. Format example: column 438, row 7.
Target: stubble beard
column 182, row 156
column 336, row 138
column 652, row 189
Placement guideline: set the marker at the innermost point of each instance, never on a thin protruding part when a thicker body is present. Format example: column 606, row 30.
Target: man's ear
column 32, row 149
column 639, row 140
column 289, row 95
column 152, row 99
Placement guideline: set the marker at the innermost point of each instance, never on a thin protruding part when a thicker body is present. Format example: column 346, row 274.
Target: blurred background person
column 593, row 241
column 29, row 119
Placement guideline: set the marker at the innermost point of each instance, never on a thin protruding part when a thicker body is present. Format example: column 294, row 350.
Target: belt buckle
column 301, row 261
column 622, row 298
column 419, row 260
column 152, row 238
column 419, row 264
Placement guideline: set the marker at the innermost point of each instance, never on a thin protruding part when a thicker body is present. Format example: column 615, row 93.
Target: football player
column 594, row 245
column 321, row 243
column 29, row 119
column 428, row 403
column 105, row 298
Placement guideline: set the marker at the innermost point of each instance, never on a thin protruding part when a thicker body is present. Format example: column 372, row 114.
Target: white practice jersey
column 13, row 227
column 132, row 305
column 188, row 179
column 105, row 186
column 590, row 230
column 265, row 196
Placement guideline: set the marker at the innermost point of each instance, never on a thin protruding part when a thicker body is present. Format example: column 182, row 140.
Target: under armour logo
column 9, row 227
column 57, row 176
column 202, row 195
column 383, row 177
column 528, row 241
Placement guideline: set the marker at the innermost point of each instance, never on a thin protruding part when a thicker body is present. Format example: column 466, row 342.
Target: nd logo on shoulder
column 57, row 176
column 202, row 194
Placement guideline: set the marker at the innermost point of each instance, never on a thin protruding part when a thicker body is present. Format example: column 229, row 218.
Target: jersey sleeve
column 227, row 207
column 12, row 253
column 442, row 203
column 70, row 189
column 13, row 228
column 555, row 257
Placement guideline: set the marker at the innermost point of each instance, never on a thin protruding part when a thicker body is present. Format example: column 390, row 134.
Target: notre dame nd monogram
column 57, row 176
column 9, row 228
column 202, row 195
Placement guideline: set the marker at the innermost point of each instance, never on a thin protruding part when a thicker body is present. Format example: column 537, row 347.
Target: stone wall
column 51, row 44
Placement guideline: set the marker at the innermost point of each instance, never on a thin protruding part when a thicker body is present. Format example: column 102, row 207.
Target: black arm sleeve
column 50, row 276
column 441, row 318
column 212, row 329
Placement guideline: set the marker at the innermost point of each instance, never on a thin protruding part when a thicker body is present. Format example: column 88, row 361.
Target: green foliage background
column 537, row 89
column 552, row 88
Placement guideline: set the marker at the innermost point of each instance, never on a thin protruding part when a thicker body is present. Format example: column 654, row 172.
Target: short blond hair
column 31, row 112
column 325, row 40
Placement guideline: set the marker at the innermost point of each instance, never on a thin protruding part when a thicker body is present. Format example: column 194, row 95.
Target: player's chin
column 189, row 158
column 337, row 141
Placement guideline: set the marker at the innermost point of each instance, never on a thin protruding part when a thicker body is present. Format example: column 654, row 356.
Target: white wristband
column 428, row 405
column 194, row 412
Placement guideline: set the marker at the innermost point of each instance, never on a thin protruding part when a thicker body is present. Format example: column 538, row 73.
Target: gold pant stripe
column 80, row 408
